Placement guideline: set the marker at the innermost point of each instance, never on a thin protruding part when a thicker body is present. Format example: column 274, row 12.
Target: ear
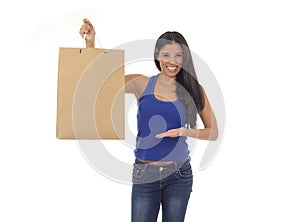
column 157, row 56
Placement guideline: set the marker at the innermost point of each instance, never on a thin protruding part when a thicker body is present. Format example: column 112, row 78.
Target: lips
column 171, row 68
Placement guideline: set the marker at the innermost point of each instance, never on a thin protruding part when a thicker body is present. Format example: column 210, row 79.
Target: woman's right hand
column 88, row 29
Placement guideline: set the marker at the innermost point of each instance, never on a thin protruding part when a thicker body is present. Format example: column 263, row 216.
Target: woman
column 168, row 105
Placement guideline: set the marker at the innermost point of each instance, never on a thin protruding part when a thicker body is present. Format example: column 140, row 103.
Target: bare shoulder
column 136, row 78
column 136, row 84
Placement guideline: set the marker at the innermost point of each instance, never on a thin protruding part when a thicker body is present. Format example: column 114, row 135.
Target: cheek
column 162, row 63
column 179, row 61
column 163, row 60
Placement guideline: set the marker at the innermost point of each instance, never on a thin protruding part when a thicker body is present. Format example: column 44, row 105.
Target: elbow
column 214, row 134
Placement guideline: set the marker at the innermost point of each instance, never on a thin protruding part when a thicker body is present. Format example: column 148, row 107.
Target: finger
column 175, row 132
column 166, row 134
column 87, row 22
column 159, row 136
column 85, row 29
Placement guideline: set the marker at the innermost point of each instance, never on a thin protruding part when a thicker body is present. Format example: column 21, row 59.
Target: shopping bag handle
column 83, row 45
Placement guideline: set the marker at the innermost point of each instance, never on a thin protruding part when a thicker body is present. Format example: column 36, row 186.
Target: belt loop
column 176, row 165
column 145, row 166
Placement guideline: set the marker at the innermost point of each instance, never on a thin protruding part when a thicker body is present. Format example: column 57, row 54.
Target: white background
column 253, row 49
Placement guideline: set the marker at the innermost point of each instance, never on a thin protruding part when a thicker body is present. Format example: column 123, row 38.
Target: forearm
column 90, row 43
column 203, row 134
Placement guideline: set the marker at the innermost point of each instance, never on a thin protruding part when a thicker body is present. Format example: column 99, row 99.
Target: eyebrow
column 169, row 52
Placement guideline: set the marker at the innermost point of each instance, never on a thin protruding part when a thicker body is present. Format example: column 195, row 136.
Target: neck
column 165, row 79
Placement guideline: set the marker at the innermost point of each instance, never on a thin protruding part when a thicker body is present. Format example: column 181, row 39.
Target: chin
column 171, row 74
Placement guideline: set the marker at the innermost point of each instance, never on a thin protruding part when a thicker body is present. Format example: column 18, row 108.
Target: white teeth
column 171, row 69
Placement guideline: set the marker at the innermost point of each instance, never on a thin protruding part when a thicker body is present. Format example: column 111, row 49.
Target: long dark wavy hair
column 188, row 88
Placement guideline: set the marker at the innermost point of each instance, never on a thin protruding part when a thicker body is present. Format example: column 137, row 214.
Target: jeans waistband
column 172, row 167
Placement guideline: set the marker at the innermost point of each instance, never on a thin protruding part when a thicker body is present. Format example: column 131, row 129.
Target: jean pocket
column 138, row 173
column 185, row 173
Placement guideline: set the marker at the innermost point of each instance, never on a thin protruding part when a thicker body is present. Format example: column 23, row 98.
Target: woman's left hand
column 172, row 133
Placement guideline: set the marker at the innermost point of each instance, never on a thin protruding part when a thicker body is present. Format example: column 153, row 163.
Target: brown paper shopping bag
column 90, row 94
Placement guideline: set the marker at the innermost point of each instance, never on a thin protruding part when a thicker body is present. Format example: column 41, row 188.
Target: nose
column 172, row 60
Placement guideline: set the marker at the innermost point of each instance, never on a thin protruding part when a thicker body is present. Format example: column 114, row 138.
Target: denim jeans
column 169, row 185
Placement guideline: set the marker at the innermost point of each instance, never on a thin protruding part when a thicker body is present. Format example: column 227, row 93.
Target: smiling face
column 170, row 58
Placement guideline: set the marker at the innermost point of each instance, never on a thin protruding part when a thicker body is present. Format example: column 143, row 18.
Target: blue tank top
column 156, row 116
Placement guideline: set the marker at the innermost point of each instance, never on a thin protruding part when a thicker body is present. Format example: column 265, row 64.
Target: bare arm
column 209, row 132
column 134, row 83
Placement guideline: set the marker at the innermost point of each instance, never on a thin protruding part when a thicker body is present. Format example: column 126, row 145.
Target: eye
column 179, row 55
column 165, row 55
